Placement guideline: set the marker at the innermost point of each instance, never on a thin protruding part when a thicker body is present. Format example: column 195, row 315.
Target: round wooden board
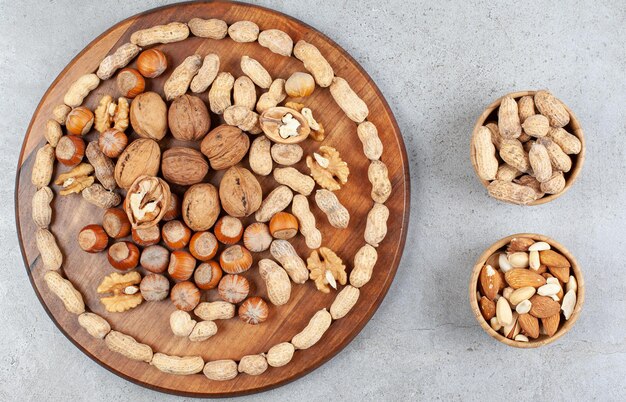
column 149, row 323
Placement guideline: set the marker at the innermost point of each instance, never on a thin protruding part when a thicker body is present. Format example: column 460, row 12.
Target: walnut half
column 327, row 168
column 108, row 112
column 326, row 271
column 125, row 291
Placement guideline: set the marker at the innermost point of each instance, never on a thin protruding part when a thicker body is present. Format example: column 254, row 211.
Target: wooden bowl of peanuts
column 527, row 148
column 526, row 290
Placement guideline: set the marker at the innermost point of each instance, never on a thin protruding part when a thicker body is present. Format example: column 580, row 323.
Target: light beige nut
column 300, row 208
column 326, row 271
column 317, row 129
column 540, row 162
column 368, row 134
column 127, row 346
column 65, row 291
column 253, row 364
column 178, row 365
column 485, row 154
column 203, row 331
column 206, row 74
column 178, row 82
column 503, row 312
column 280, row 354
column 210, row 28
column 286, row 154
column 496, row 138
column 276, row 281
column 120, row 58
column 508, row 119
column 244, row 92
column 552, row 108
column 313, row 332
column 376, row 227
column 554, row 184
column 243, row 31
column 217, row 310
column 314, row 63
column 277, row 41
column 103, row 166
column 79, row 89
column 511, row 192
column 220, row 370
column 364, row 262
column 41, row 210
column 181, row 323
column 569, row 143
column 97, row 195
column 512, row 152
column 169, row 33
column 54, row 132
column 507, row 172
column 257, row 73
column 344, row 302
column 243, row 118
column 526, row 108
column 536, row 125
column 95, row 325
column 51, row 255
column 60, row 112
column 260, row 156
column 275, row 94
column 338, row 216
column 529, row 181
column 300, row 85
column 148, row 116
column 43, row 166
column 560, row 160
column 219, row 94
column 286, row 255
column 328, row 169
column 379, row 177
column 519, row 295
column 277, row 200
column 297, row 181
column 351, row 104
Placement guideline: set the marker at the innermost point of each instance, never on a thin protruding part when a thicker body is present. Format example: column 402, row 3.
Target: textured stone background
column 438, row 65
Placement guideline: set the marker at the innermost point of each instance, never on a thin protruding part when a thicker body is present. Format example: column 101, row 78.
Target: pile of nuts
column 525, row 289
column 525, row 154
column 167, row 231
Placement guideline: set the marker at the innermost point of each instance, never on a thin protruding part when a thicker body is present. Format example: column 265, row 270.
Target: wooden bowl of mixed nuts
column 526, row 290
column 527, row 148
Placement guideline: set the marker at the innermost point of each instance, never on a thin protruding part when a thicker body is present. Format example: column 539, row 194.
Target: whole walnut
column 201, row 206
column 225, row 146
column 141, row 158
column 240, row 192
column 148, row 116
column 184, row 166
column 189, row 118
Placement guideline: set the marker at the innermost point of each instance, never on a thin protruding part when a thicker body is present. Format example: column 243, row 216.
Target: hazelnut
column 116, row 223
column 123, row 255
column 188, row 118
column 93, row 239
column 148, row 116
column 151, row 63
column 146, row 236
column 185, row 296
column 146, row 201
column 79, row 121
column 257, row 237
column 181, row 265
column 228, row 230
column 253, row 311
column 233, row 288
column 283, row 225
column 173, row 209
column 203, row 246
column 175, row 234
column 240, row 192
column 155, row 258
column 300, row 85
column 201, row 206
column 70, row 150
column 154, row 287
column 184, row 166
column 235, row 259
column 207, row 275
column 130, row 83
column 225, row 146
column 112, row 142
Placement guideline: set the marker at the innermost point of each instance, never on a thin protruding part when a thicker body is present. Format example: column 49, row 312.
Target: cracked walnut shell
column 125, row 290
column 147, row 201
column 328, row 169
column 326, row 271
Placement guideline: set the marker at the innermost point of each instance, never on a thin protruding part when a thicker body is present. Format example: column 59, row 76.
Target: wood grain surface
column 149, row 323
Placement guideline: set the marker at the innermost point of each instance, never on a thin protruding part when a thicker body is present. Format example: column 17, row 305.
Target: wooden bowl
column 543, row 339
column 573, row 127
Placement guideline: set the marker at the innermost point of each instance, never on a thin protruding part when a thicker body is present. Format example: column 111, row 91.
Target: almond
column 549, row 289
column 551, row 324
column 521, row 278
column 553, row 259
column 562, row 273
column 529, row 325
column 520, row 244
column 521, row 294
column 512, row 330
column 503, row 312
column 543, row 306
column 519, row 259
column 539, row 246
column 569, row 302
column 490, row 282
column 487, row 308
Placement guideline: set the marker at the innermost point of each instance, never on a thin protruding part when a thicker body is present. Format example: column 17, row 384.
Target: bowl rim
column 575, row 270
column 576, row 130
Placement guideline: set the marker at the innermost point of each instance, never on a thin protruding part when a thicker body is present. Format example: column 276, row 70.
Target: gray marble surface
column 438, row 64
